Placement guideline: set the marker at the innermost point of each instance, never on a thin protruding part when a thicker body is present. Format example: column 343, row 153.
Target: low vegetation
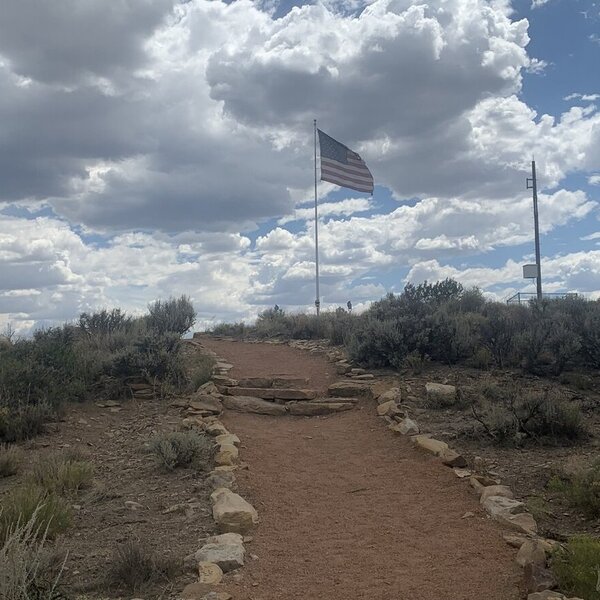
column 133, row 566
column 447, row 323
column 65, row 474
column 576, row 567
column 28, row 569
column 183, row 449
column 581, row 490
column 511, row 414
column 93, row 358
column 10, row 460
column 49, row 512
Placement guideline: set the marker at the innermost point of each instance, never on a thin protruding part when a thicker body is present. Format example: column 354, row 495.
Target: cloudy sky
column 150, row 148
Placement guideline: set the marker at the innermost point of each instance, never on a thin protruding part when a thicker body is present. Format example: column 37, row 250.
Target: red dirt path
column 349, row 511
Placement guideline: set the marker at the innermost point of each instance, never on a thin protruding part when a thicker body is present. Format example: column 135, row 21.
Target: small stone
column 217, row 596
column 430, row 445
column 462, row 473
column 232, row 513
column 515, row 541
column 131, row 505
column 499, row 506
column 218, row 479
column 446, row 394
column 468, row 515
column 216, row 429
column 227, row 556
column 523, row 522
column 209, row 573
column 531, row 552
column 388, row 409
column 210, row 388
column 394, row 394
column 538, row 578
column 496, row 490
column 228, row 438
column 226, row 455
column 451, row 458
column 405, row 427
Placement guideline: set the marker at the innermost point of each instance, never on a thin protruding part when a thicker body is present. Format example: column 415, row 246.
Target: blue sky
column 178, row 158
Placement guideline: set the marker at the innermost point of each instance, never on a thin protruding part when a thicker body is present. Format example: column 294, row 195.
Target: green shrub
column 183, row 449
column 10, row 460
column 512, row 415
column 576, row 567
column 236, row 330
column 175, row 315
column 133, row 565
column 62, row 474
column 581, row 490
column 415, row 362
column 26, row 566
column 24, row 421
column 482, row 359
column 105, row 322
column 49, row 511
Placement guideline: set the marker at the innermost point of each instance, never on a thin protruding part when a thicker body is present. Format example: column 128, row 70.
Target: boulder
column 439, row 393
column 227, row 454
column 221, row 381
column 532, row 552
column 477, row 486
column 495, row 490
column 342, row 367
column 405, row 427
column 388, row 409
column 247, row 404
column 232, row 513
column 394, row 394
column 451, row 458
column 515, row 541
column 195, row 422
column 311, row 409
column 499, row 506
column 430, row 445
column 256, row 382
column 228, row 438
column 350, row 389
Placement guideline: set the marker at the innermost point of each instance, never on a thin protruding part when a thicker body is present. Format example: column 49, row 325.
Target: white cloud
column 583, row 97
column 342, row 208
column 594, row 179
column 538, row 3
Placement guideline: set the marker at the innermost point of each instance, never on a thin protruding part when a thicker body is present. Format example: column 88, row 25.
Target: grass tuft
column 10, row 460
column 63, row 474
column 576, row 567
column 183, row 449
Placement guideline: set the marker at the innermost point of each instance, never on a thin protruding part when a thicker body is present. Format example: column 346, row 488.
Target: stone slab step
column 249, row 404
column 312, row 409
column 350, row 389
column 273, row 393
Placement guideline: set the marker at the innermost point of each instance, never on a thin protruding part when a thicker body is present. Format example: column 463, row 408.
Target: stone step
column 312, row 409
column 350, row 389
column 274, row 381
column 272, row 393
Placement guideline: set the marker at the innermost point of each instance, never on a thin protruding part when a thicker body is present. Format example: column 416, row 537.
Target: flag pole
column 318, row 300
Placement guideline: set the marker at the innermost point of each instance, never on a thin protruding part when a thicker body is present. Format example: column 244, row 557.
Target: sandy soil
column 349, row 511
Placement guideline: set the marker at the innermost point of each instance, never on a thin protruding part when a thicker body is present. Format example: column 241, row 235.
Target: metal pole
column 318, row 300
column 537, row 231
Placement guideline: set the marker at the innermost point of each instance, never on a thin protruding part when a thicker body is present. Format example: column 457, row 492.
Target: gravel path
column 350, row 511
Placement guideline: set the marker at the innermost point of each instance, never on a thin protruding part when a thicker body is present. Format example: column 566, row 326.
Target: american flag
column 342, row 166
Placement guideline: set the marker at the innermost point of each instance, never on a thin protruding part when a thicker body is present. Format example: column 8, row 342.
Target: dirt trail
column 349, row 511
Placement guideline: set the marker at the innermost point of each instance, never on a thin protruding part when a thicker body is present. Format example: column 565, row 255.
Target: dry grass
column 183, row 449
column 10, row 460
column 64, row 474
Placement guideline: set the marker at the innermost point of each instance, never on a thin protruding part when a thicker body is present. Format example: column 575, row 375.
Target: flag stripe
column 358, row 170
column 344, row 175
column 359, row 187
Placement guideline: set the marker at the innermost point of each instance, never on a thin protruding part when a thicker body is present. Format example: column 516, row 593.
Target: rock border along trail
column 349, row 510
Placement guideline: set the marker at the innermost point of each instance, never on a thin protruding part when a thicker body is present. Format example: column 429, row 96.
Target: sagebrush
column 183, row 449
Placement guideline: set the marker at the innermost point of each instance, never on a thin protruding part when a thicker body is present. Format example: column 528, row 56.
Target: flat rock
column 256, row 382
column 289, row 381
column 228, row 438
column 499, row 506
column 218, row 479
column 205, row 404
column 532, row 552
column 440, row 391
column 405, row 427
column 430, row 445
column 365, row 377
column 538, row 578
column 274, row 393
column 312, row 409
column 209, row 388
column 221, row 381
column 232, row 513
column 327, row 400
column 216, row 429
column 549, row 595
column 495, row 490
column 227, row 556
column 451, row 458
column 248, row 404
column 209, row 573
column 388, row 409
column 195, row 422
column 522, row 522
column 350, row 389
column 394, row 394
column 227, row 454
column 514, row 541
